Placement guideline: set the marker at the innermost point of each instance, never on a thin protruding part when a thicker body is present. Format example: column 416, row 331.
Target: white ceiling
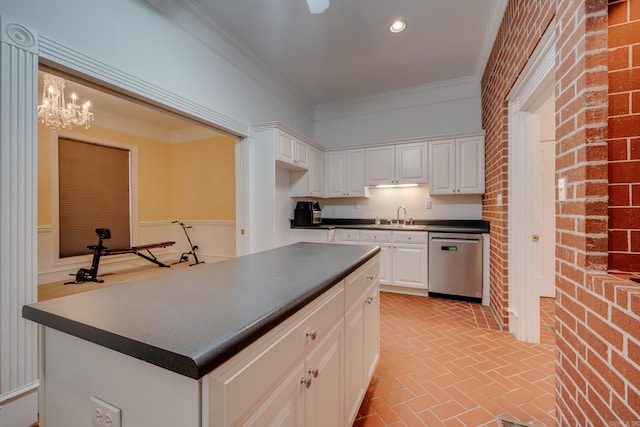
column 344, row 53
column 348, row 51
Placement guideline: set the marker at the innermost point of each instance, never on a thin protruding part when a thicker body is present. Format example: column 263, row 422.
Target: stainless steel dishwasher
column 455, row 266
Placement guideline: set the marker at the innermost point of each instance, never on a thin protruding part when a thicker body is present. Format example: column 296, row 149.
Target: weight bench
column 99, row 250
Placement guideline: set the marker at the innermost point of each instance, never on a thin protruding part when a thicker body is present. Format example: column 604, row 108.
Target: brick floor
column 447, row 363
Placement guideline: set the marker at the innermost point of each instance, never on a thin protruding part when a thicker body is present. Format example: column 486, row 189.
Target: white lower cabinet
column 403, row 259
column 362, row 336
column 300, row 373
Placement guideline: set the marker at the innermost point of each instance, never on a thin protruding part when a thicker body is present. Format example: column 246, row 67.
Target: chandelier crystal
column 53, row 113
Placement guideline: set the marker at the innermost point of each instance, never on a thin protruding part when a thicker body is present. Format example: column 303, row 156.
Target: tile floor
column 447, row 363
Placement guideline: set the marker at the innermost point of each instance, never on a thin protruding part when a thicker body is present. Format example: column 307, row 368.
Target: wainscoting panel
column 215, row 241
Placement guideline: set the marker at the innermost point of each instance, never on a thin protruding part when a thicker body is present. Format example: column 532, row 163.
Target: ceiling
column 348, row 51
column 344, row 53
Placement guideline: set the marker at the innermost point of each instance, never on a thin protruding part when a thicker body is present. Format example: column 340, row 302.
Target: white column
column 18, row 221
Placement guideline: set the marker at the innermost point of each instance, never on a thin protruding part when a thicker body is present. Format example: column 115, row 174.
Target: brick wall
column 624, row 135
column 523, row 24
column 598, row 315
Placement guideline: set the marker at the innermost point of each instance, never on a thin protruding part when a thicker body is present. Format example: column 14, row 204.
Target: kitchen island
column 215, row 344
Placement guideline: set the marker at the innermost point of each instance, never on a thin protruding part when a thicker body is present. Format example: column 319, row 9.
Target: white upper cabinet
column 456, row 166
column 310, row 182
column 291, row 153
column 397, row 164
column 344, row 173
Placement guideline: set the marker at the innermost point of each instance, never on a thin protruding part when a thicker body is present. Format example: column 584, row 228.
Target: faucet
column 398, row 213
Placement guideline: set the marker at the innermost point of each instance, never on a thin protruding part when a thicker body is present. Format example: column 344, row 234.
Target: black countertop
column 441, row 225
column 191, row 321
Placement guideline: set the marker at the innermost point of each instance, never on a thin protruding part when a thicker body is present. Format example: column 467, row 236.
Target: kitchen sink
column 397, row 227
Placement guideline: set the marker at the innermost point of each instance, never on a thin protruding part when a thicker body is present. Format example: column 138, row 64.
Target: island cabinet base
column 74, row 370
column 312, row 370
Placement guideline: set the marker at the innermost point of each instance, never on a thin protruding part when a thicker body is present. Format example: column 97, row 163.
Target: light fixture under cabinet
column 395, row 185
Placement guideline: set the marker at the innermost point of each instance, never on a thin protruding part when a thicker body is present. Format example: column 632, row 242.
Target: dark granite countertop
column 440, row 225
column 191, row 321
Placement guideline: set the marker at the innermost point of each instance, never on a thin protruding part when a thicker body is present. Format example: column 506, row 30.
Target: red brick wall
column 598, row 315
column 624, row 135
column 523, row 24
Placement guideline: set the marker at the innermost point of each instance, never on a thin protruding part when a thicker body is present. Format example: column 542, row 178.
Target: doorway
column 531, row 190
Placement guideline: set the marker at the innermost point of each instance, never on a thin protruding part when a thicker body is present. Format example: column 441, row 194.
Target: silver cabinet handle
column 312, row 334
column 306, row 382
column 369, row 300
column 314, row 372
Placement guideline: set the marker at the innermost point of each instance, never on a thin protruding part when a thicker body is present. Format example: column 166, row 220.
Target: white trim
column 19, row 392
column 491, row 31
column 56, row 55
column 533, row 82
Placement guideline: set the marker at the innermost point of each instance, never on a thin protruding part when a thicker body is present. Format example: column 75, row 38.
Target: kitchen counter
column 191, row 321
column 446, row 226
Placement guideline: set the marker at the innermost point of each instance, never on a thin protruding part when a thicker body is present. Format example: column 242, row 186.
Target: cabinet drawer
column 241, row 383
column 418, row 237
column 358, row 281
column 346, row 235
column 375, row 236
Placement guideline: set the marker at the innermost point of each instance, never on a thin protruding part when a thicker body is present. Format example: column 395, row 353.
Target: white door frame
column 526, row 96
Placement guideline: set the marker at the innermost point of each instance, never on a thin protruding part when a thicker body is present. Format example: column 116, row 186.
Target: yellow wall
column 187, row 181
column 203, row 185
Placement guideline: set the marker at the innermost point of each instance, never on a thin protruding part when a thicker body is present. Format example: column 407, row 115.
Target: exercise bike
column 185, row 255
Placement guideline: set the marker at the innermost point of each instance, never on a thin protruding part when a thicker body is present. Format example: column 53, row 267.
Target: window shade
column 94, row 193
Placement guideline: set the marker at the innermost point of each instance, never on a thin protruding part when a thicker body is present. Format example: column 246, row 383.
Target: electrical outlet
column 428, row 204
column 104, row 414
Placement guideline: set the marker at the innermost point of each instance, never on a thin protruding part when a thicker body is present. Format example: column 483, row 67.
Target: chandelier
column 53, row 113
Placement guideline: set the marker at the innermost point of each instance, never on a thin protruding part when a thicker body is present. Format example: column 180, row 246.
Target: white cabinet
column 309, row 183
column 348, row 236
column 297, row 374
column 456, row 166
column 313, row 393
column 410, row 261
column 381, row 238
column 362, row 335
column 324, row 381
column 344, row 173
column 403, row 257
column 291, row 152
column 397, row 164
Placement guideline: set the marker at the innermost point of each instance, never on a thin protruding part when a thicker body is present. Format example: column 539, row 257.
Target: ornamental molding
column 18, row 35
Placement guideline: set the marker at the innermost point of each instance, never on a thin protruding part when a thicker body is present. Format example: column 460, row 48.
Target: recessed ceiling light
column 398, row 26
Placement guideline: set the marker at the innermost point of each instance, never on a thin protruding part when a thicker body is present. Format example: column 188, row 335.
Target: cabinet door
column 355, row 173
column 285, row 406
column 411, row 163
column 386, row 264
column 316, row 172
column 335, row 170
column 285, row 147
column 301, row 154
column 371, row 318
column 470, row 154
column 411, row 266
column 442, row 167
column 380, row 165
column 324, row 398
column 354, row 361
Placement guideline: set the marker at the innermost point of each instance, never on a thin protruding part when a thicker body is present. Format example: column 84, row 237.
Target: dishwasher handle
column 454, row 240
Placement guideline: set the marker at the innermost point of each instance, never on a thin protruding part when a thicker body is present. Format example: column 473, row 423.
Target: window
column 93, row 193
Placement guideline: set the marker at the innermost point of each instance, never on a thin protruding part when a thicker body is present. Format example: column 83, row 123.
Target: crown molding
column 498, row 8
column 414, row 96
